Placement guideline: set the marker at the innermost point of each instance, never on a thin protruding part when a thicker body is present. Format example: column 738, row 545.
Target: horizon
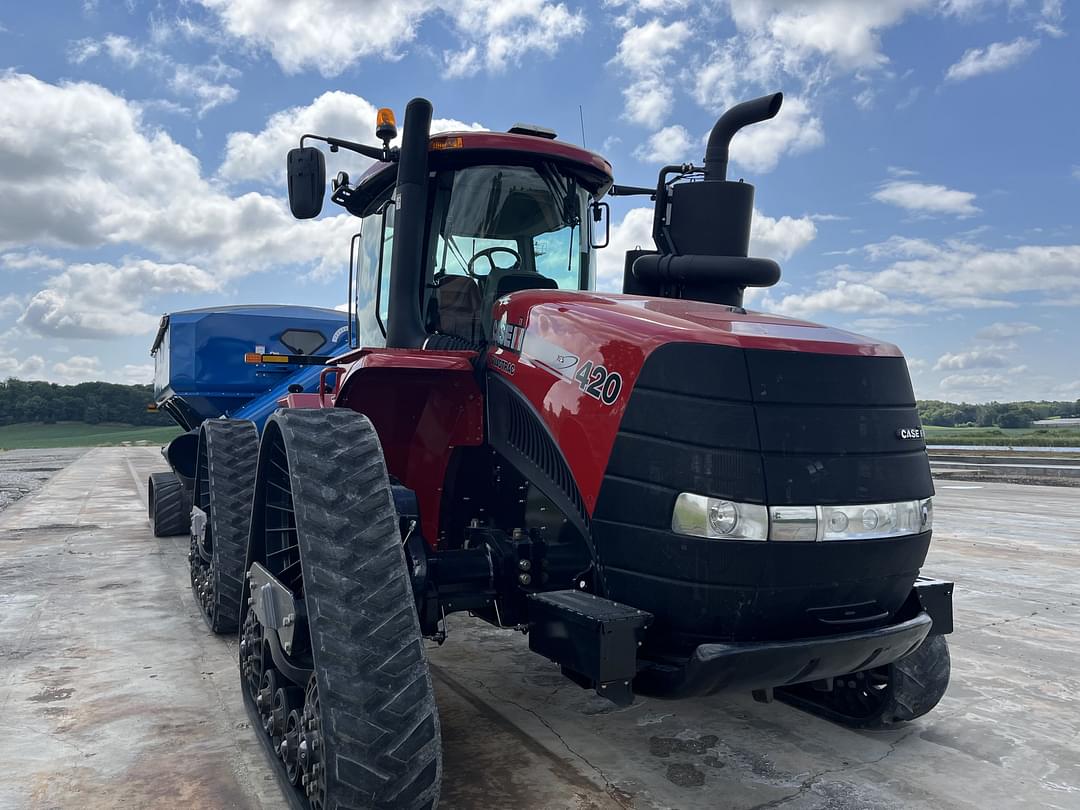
column 916, row 186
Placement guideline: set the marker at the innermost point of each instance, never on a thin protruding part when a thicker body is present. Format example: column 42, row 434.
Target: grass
column 1012, row 437
column 79, row 434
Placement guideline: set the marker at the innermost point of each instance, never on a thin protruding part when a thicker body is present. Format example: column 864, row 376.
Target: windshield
column 511, row 219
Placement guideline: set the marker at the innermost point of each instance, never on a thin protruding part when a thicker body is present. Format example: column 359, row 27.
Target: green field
column 1013, row 437
column 80, row 434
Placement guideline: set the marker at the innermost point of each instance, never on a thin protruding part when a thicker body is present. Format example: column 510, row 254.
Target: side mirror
column 307, row 181
column 601, row 212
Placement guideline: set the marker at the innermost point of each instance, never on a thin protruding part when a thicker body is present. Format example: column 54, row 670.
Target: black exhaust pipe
column 405, row 325
column 739, row 116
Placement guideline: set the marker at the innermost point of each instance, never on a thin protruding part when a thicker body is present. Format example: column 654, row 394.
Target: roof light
column 385, row 125
column 453, row 142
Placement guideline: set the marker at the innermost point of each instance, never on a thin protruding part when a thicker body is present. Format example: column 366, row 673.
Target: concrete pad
column 114, row 694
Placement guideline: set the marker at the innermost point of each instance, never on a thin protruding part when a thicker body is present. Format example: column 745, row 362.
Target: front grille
column 771, row 427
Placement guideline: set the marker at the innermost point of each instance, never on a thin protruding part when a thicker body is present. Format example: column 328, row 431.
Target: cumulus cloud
column 794, row 130
column 113, row 180
column 1002, row 331
column 927, row 198
column 994, row 57
column 843, row 297
column 29, row 260
column 669, row 145
column 104, row 300
column 646, row 54
column 981, row 383
column 976, row 358
column 261, row 156
column 79, row 368
column 25, row 368
column 769, row 237
column 331, row 35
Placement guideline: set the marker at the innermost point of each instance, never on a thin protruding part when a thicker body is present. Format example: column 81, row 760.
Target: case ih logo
column 910, row 433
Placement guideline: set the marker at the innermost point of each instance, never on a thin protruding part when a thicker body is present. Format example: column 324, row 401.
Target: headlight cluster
column 702, row 516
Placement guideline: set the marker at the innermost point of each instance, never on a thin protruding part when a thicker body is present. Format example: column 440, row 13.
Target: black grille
column 758, row 427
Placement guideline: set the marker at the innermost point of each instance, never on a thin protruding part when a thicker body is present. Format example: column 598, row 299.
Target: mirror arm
column 384, row 154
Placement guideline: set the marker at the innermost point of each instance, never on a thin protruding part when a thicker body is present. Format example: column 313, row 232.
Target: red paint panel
column 423, row 405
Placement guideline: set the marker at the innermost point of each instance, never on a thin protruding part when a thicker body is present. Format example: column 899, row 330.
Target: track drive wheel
column 167, row 505
column 884, row 696
column 365, row 733
column 224, row 485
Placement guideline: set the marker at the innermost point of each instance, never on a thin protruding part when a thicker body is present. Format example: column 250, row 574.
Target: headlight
column 702, row 516
column 713, row 517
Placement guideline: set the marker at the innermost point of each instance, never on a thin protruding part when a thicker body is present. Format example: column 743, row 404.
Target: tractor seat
column 459, row 301
column 504, row 282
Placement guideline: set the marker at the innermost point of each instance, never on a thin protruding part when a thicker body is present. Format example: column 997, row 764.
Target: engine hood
column 651, row 322
column 576, row 358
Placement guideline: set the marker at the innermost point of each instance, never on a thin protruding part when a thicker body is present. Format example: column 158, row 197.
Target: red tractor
column 672, row 495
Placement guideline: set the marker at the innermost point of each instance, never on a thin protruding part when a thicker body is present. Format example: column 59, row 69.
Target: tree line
column 993, row 414
column 92, row 402
column 96, row 402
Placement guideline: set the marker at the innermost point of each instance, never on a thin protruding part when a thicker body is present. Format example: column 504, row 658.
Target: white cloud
column 134, row 374
column 104, row 171
column 78, row 368
column 646, row 54
column 847, row 31
column 981, row 383
column 780, row 238
column 976, row 358
column 206, row 84
column 1001, row 331
column 104, row 300
column 634, row 231
column 769, row 238
column 793, row 131
column 331, row 35
column 261, row 156
column 25, row 368
column 669, row 145
column 844, row 297
column 29, row 260
column 994, row 57
column 927, row 198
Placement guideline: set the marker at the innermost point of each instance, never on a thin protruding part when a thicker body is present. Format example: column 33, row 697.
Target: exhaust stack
column 405, row 326
column 702, row 229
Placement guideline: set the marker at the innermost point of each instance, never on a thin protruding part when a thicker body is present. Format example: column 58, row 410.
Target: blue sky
column 921, row 184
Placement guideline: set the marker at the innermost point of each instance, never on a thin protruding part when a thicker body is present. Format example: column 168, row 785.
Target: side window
column 302, row 341
column 386, row 234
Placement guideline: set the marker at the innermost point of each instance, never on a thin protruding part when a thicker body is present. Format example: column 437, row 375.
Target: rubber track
column 382, row 745
column 170, row 512
column 232, row 447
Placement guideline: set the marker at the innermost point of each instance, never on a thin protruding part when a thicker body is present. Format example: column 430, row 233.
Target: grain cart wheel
column 365, row 733
column 167, row 505
column 224, row 484
column 883, row 696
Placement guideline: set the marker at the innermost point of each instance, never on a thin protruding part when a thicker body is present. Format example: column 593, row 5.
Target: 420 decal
column 599, row 383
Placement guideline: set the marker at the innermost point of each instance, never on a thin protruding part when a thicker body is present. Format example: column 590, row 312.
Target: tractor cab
column 505, row 212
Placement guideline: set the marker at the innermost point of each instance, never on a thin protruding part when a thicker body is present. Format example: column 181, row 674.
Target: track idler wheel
column 252, row 654
column 883, row 696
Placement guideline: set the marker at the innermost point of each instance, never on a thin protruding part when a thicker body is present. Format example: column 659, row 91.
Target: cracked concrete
column 114, row 694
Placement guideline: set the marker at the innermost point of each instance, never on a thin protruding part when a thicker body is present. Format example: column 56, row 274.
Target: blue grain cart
column 219, row 373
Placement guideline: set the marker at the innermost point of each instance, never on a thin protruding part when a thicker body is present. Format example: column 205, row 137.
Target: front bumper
column 760, row 665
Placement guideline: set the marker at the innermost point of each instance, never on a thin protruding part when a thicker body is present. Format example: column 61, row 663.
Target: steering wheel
column 486, row 253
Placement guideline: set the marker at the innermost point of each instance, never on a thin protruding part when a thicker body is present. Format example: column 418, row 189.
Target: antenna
column 581, row 117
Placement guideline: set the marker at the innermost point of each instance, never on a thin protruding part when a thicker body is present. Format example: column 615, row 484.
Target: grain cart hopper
column 219, row 373
column 671, row 494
